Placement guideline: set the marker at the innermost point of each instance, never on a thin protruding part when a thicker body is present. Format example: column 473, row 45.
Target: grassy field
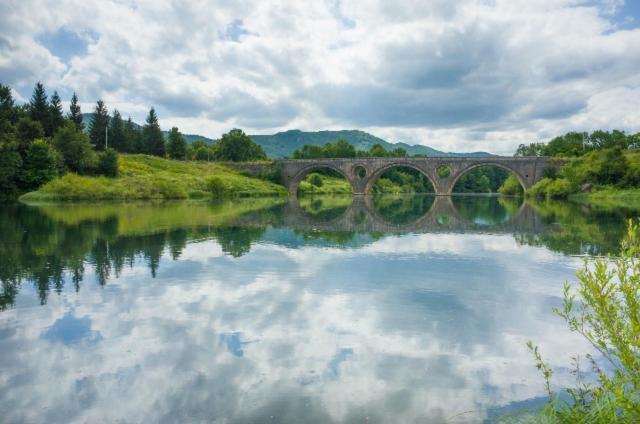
column 148, row 177
column 317, row 183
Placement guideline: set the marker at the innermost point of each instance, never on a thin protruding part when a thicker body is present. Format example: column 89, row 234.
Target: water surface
column 389, row 309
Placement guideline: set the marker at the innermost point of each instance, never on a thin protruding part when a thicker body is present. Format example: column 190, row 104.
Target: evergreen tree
column 116, row 133
column 7, row 107
column 27, row 130
column 75, row 114
column 132, row 137
column 39, row 107
column 10, row 164
column 56, row 118
column 177, row 145
column 152, row 136
column 108, row 163
column 98, row 126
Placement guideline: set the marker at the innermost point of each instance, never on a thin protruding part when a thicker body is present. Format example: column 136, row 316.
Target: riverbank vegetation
column 596, row 166
column 42, row 147
column 149, row 177
column 604, row 308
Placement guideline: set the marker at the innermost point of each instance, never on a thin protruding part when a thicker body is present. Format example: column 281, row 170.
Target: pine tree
column 132, row 137
column 116, row 133
column 39, row 107
column 56, row 118
column 152, row 136
column 75, row 114
column 177, row 145
column 98, row 126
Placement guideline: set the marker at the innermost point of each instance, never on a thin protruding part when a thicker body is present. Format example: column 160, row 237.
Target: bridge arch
column 522, row 179
column 299, row 176
column 375, row 175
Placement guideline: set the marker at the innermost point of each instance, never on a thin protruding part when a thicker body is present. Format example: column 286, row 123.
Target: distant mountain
column 283, row 144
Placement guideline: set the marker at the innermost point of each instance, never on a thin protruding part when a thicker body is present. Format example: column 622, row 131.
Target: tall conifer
column 56, row 118
column 98, row 126
column 152, row 136
column 39, row 107
column 75, row 114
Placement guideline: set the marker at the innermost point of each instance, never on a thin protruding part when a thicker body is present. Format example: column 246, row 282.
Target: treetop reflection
column 50, row 245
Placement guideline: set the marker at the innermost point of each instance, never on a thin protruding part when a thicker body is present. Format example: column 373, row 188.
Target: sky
column 461, row 76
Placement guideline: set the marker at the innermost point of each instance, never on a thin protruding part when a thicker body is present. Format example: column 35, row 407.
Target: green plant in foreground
column 605, row 309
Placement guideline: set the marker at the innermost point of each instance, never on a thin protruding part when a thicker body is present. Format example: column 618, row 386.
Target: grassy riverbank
column 148, row 177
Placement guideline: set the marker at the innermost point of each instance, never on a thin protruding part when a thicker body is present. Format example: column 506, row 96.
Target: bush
column 605, row 310
column 236, row 146
column 10, row 164
column 539, row 189
column 511, row 187
column 316, row 180
column 75, row 148
column 41, row 164
column 217, row 187
column 108, row 163
column 559, row 189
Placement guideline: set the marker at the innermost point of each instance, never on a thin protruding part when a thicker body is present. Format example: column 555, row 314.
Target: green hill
column 283, row 144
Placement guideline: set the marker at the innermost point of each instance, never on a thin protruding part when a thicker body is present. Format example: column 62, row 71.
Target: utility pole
column 106, row 137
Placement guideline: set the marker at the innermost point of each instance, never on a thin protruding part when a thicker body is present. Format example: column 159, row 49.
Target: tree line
column 39, row 141
column 596, row 159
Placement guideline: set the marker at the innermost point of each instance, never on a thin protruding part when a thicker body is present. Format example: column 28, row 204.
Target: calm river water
column 389, row 310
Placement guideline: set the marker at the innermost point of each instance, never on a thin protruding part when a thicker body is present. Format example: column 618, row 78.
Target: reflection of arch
column 521, row 179
column 295, row 181
column 400, row 164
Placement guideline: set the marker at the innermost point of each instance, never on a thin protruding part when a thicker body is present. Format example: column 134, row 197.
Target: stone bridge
column 362, row 173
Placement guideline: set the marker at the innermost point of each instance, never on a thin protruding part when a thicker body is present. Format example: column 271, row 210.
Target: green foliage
column 108, row 163
column 402, row 180
column 132, row 141
column 152, row 137
column 604, row 309
column 98, row 126
column 483, row 179
column 236, row 146
column 39, row 110
column 117, row 139
column 10, row 165
column 27, row 131
column 511, row 187
column 324, row 183
column 75, row 148
column 443, row 171
column 575, row 144
column 177, row 145
column 41, row 164
column 56, row 117
column 75, row 113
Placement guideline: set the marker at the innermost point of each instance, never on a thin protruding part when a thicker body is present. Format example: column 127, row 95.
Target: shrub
column 539, row 189
column 511, row 187
column 217, row 187
column 75, row 148
column 40, row 165
column 559, row 189
column 605, row 310
column 108, row 163
column 316, row 180
column 10, row 163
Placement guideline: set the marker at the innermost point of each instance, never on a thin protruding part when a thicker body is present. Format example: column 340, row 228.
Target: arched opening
column 488, row 179
column 487, row 210
column 401, row 210
column 323, row 181
column 401, row 180
column 324, row 208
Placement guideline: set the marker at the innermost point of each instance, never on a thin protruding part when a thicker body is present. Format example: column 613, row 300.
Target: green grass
column 317, row 183
column 148, row 177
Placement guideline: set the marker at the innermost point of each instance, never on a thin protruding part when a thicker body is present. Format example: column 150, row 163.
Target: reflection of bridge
column 362, row 173
column 443, row 216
